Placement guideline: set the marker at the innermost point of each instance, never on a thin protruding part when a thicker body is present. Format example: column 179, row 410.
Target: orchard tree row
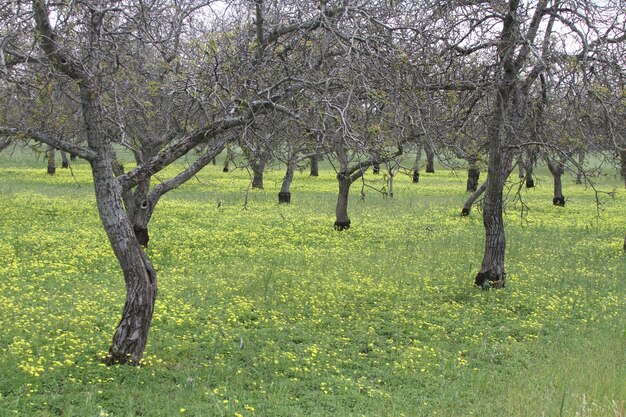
column 498, row 84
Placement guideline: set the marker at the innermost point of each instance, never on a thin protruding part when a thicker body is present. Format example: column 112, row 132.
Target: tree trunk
column 52, row 166
column 430, row 158
column 416, row 167
column 557, row 169
column 390, row 179
column 257, row 174
column 131, row 334
column 342, row 221
column 64, row 162
column 228, row 159
column 581, row 163
column 376, row 168
column 467, row 207
column 315, row 170
column 528, row 167
column 622, row 157
column 473, row 174
column 4, row 143
column 284, row 196
column 520, row 165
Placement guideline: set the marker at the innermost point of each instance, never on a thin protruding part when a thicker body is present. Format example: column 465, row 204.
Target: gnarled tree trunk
column 622, row 157
column 64, row 162
column 342, row 221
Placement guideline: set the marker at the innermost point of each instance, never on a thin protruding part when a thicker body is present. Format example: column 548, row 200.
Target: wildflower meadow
column 265, row 310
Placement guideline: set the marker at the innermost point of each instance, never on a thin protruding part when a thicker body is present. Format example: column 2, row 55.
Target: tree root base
column 488, row 280
column 284, row 198
column 339, row 226
column 559, row 201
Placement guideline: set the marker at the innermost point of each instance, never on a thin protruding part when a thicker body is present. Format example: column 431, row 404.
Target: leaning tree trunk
column 416, row 167
column 556, row 169
column 52, row 166
column 284, row 195
column 467, row 207
column 430, row 158
column 131, row 334
column 342, row 221
column 473, row 174
column 257, row 174
column 315, row 169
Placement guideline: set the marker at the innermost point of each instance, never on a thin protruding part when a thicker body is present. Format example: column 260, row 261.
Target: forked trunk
column 52, row 166
column 284, row 196
column 556, row 169
column 315, row 169
column 342, row 221
column 131, row 334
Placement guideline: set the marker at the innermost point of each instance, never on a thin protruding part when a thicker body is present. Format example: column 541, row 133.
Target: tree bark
column 430, row 158
column 229, row 156
column 622, row 157
column 257, row 174
column 342, row 221
column 473, row 174
column 284, row 196
column 467, row 207
column 315, row 170
column 581, row 163
column 557, row 169
column 52, row 166
column 529, row 164
column 416, row 166
column 64, row 162
column 4, row 143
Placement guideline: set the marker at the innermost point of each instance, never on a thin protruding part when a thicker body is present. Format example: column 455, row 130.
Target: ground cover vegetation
column 264, row 309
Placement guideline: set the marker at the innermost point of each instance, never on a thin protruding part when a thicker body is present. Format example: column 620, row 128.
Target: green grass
column 265, row 310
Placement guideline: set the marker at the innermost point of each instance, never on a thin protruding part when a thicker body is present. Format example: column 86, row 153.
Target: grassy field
column 265, row 310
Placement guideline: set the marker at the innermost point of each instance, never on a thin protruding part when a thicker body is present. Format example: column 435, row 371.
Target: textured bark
column 520, row 166
column 315, row 169
column 390, row 180
column 529, row 165
column 342, row 221
column 52, row 166
column 376, row 168
column 257, row 174
column 430, row 158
